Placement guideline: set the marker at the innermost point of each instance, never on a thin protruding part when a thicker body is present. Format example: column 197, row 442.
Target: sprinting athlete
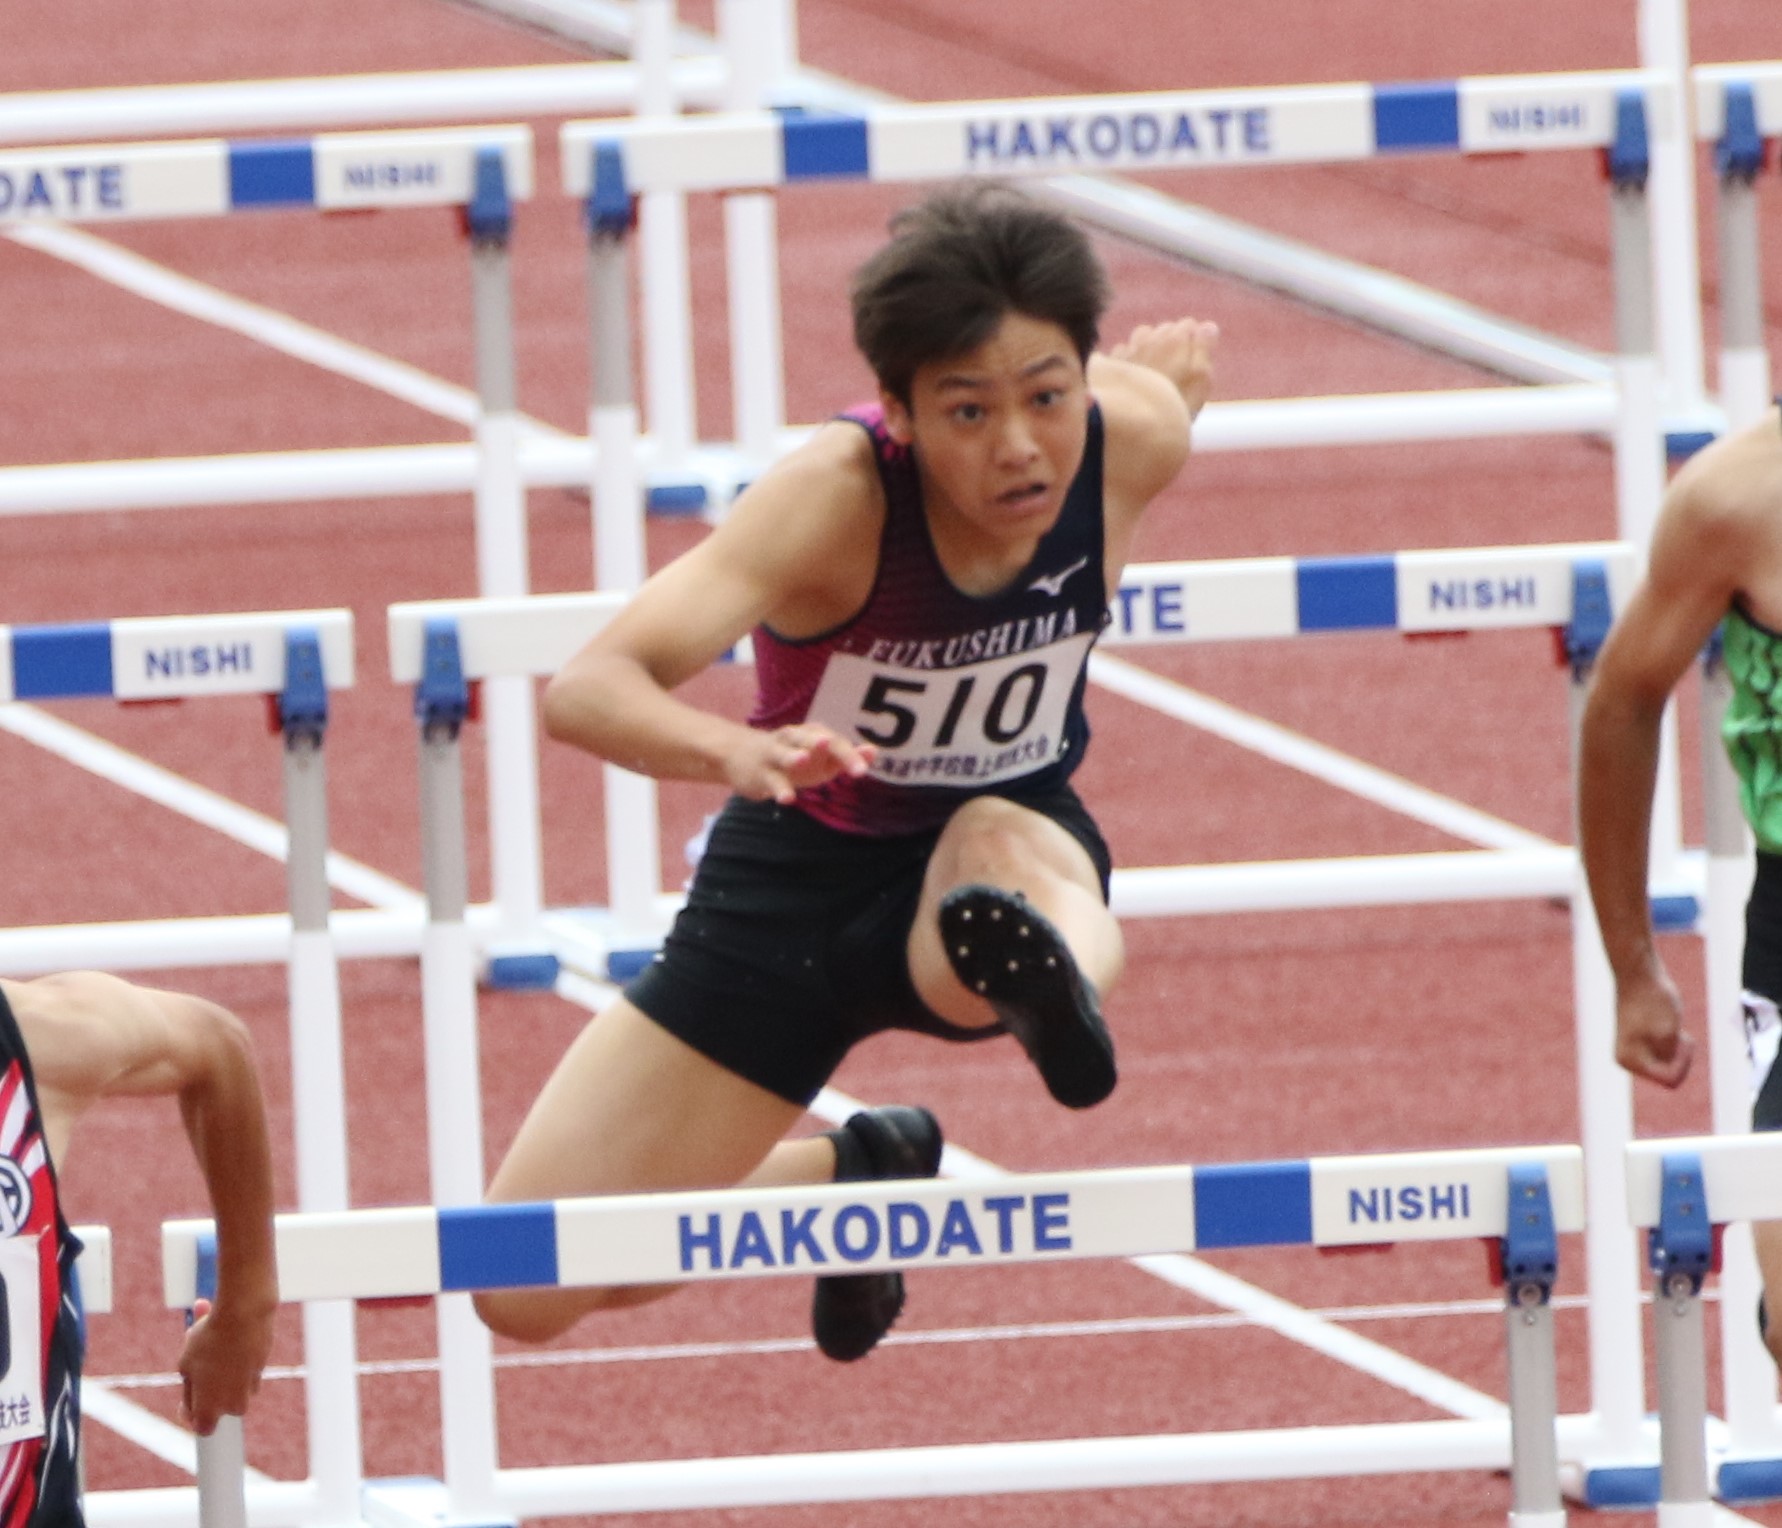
column 1716, row 562
column 902, row 849
column 65, row 1043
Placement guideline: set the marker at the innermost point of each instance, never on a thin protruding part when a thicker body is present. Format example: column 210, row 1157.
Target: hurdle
column 1684, row 1192
column 1520, row 1199
column 481, row 170
column 293, row 658
column 1571, row 587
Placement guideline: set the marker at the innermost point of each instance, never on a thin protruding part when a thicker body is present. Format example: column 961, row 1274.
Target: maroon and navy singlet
column 961, row 695
column 40, row 1321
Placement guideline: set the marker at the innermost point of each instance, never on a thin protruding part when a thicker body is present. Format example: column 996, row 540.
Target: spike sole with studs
column 1007, row 953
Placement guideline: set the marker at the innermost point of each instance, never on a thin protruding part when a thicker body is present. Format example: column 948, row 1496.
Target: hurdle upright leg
column 1530, row 1255
column 1744, row 355
column 633, row 857
column 756, row 40
column 503, row 565
column 454, row 1089
column 1681, row 1252
column 318, row 1079
column 670, row 383
column 1639, row 424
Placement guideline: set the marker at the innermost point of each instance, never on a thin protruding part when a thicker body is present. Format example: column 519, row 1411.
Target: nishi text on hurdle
column 1410, row 1201
column 198, row 660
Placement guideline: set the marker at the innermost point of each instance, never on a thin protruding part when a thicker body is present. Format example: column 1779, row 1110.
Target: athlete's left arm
column 91, row 1036
column 1151, row 387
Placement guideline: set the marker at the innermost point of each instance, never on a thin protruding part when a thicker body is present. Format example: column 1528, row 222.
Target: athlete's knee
column 524, row 1315
column 996, row 840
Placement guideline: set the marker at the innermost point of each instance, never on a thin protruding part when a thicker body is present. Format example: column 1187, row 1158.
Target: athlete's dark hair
column 956, row 264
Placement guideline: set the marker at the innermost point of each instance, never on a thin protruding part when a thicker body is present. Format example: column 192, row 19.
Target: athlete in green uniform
column 1716, row 561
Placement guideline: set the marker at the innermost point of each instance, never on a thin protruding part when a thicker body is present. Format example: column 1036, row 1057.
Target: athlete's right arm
column 92, row 1036
column 791, row 542
column 1702, row 549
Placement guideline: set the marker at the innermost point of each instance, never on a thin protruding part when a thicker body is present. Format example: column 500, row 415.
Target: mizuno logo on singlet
column 1053, row 583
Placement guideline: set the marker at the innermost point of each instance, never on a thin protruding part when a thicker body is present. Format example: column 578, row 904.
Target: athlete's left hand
column 220, row 1367
column 1182, row 350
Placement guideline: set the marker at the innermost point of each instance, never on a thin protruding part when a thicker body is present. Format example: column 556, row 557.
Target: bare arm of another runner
column 91, row 1036
column 1706, row 542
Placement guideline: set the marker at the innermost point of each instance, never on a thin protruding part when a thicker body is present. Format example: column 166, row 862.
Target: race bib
column 21, row 1343
column 974, row 724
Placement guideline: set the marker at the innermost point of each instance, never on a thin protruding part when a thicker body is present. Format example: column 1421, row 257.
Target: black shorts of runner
column 792, row 946
column 1761, row 972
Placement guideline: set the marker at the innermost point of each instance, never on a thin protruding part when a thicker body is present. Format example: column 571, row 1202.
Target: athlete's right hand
column 777, row 765
column 1650, row 1040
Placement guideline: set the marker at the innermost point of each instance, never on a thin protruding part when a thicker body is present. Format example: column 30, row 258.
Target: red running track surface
column 1241, row 1037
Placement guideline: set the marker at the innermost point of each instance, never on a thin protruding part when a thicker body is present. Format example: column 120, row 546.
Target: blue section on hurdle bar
column 272, row 174
column 1681, row 444
column 1633, row 1485
column 825, row 146
column 536, row 972
column 677, row 499
column 1418, row 118
column 622, row 965
column 204, row 1280
column 1748, row 1480
column 61, row 662
column 497, row 1246
column 1675, row 913
column 1253, row 1204
column 1347, row 593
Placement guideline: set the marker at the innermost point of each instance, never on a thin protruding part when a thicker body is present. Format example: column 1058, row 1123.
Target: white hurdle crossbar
column 294, row 657
column 1521, row 1197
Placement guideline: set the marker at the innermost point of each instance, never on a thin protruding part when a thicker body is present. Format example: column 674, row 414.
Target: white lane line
column 278, row 331
column 245, row 826
column 99, row 1402
column 1039, row 1331
column 1297, row 751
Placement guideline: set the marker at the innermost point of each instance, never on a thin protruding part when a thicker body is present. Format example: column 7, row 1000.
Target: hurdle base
column 1632, row 1486
column 416, row 1501
column 520, row 970
column 590, row 942
column 1742, row 1481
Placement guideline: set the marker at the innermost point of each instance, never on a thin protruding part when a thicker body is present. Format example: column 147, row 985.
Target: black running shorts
column 1762, row 972
column 792, row 946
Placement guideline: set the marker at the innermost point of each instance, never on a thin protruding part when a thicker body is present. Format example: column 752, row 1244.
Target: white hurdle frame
column 481, row 169
column 1523, row 1197
column 1684, row 1191
column 1574, row 586
column 294, row 657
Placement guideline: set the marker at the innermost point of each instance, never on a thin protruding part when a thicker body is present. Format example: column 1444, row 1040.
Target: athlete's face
column 999, row 432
